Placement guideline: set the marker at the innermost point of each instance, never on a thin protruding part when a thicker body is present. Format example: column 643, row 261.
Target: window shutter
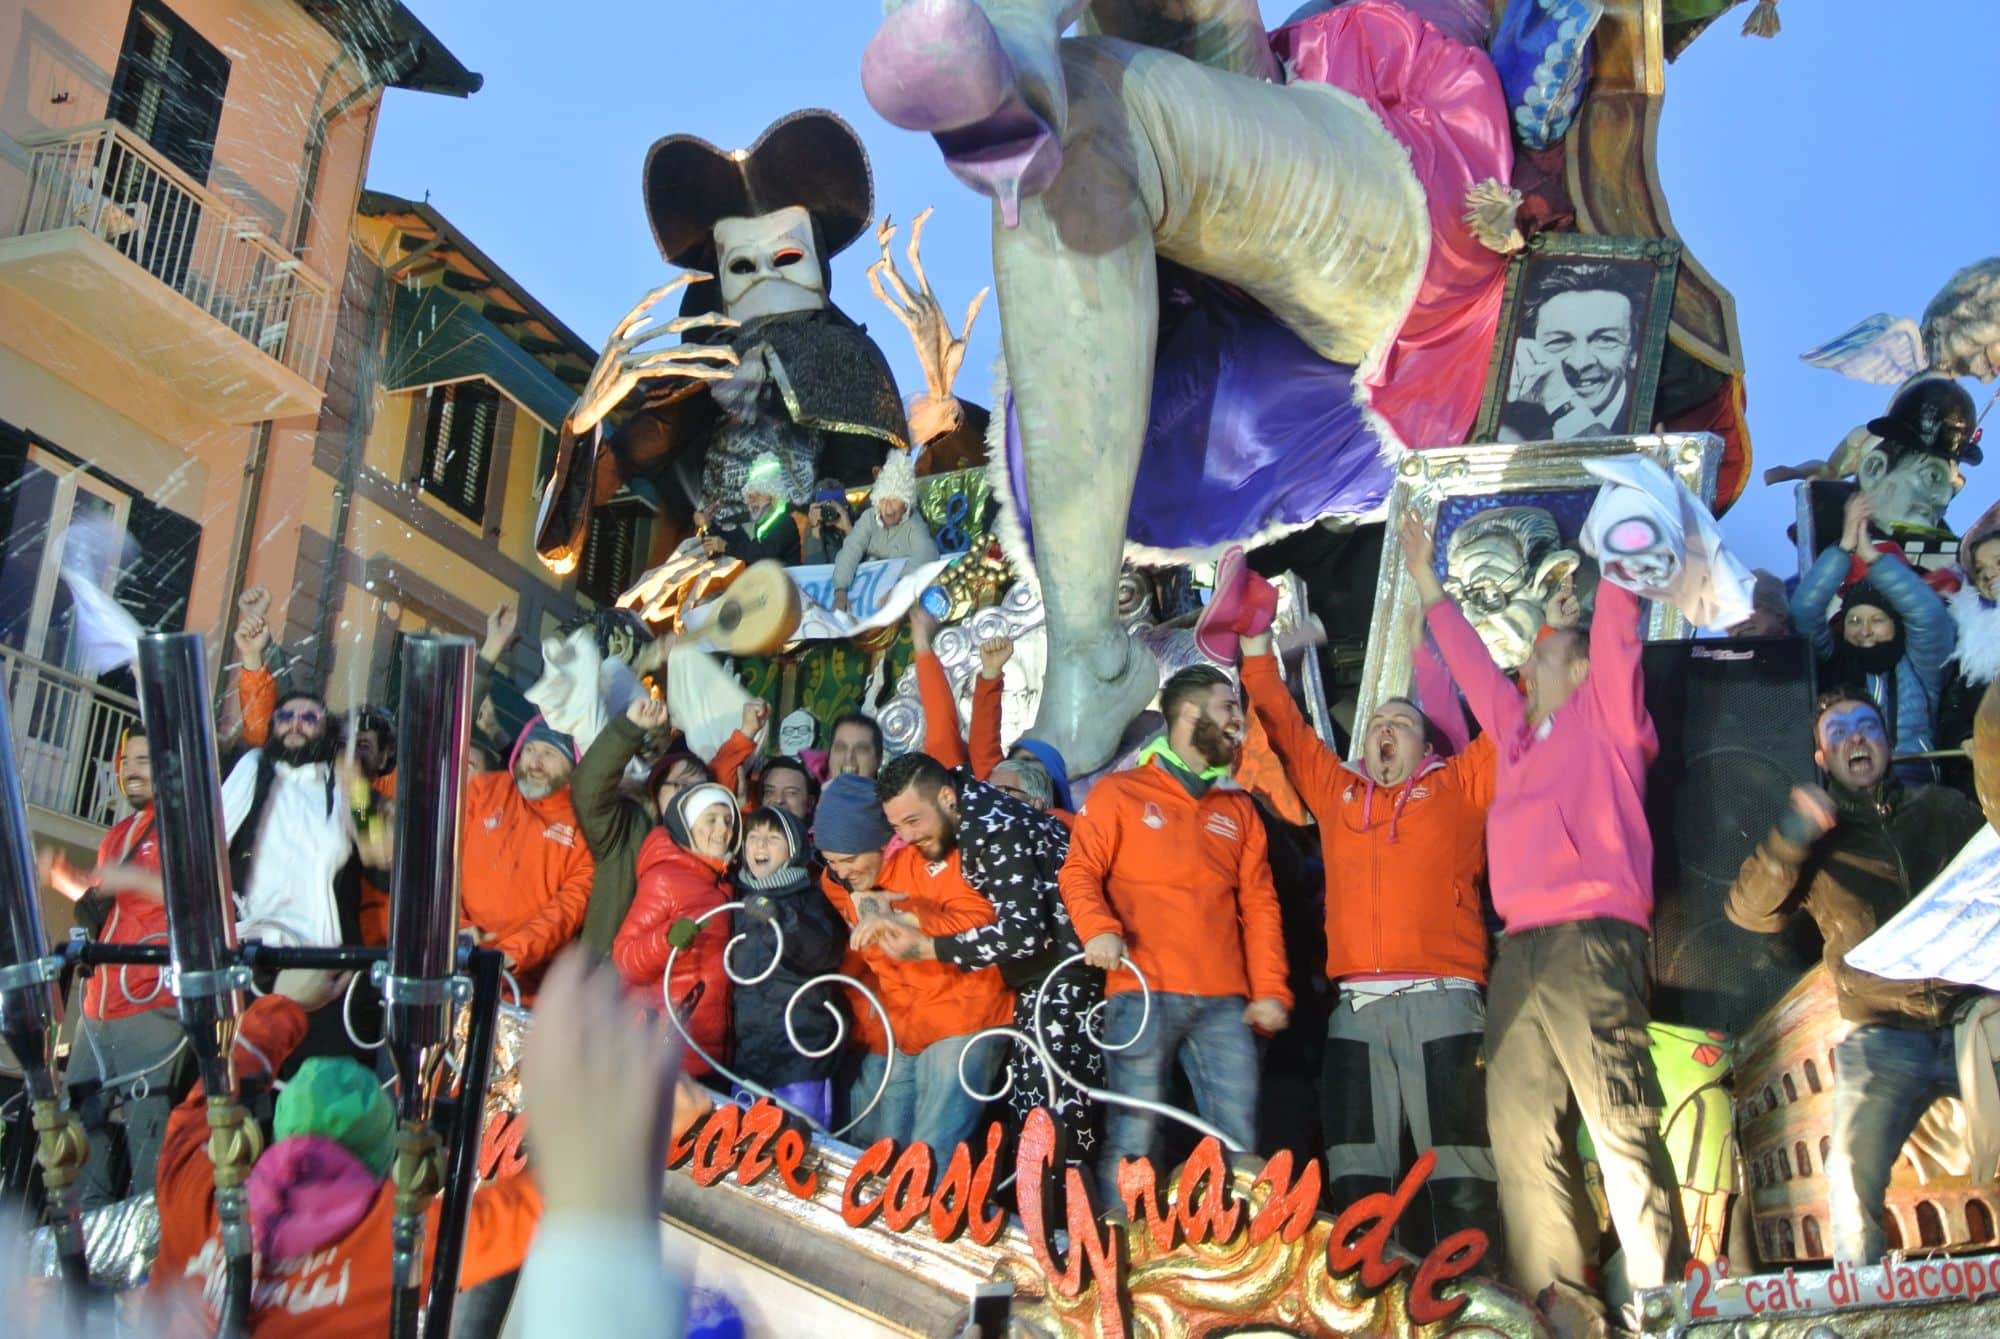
column 458, row 445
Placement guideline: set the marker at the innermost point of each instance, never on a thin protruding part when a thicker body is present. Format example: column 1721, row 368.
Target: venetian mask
column 769, row 264
column 1502, row 566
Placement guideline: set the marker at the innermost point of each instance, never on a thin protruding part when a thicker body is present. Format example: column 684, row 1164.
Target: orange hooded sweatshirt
column 1185, row 882
column 929, row 1001
column 524, row 873
column 1403, row 863
column 344, row 1289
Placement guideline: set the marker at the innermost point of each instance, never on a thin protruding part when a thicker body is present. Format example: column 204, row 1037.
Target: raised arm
column 982, row 740
column 1314, row 769
column 1616, row 677
column 1769, row 886
column 942, row 739
column 1488, row 691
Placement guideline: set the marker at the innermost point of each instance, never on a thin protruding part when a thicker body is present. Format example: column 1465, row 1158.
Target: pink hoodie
column 1566, row 837
column 307, row 1192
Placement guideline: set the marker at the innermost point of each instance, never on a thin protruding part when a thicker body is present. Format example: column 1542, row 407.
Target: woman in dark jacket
column 776, row 888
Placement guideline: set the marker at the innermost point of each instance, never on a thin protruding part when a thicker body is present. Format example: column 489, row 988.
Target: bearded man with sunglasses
column 1851, row 856
column 293, row 856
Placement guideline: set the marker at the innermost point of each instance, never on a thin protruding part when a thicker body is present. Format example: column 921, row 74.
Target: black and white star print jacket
column 1011, row 855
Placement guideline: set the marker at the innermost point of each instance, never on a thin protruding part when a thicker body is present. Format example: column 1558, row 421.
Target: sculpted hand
column 625, row 362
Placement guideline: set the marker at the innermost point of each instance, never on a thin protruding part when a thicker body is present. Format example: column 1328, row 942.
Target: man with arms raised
column 1403, row 837
column 1570, row 862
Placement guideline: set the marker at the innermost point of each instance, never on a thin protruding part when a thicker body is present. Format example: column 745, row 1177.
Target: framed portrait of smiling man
column 1583, row 328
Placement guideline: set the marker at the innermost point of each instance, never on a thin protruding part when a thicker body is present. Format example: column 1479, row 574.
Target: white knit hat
column 898, row 480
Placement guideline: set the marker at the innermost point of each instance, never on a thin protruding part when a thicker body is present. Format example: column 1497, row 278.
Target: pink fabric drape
column 1442, row 99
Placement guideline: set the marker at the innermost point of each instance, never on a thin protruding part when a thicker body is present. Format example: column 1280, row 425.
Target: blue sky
column 1844, row 168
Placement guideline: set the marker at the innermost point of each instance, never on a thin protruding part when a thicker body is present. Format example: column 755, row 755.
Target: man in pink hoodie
column 1570, row 862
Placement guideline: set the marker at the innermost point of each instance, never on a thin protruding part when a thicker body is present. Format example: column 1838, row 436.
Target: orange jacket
column 1403, row 865
column 525, row 871
column 121, row 992
column 1185, row 882
column 979, row 748
column 343, row 1290
column 674, row 885
column 929, row 1001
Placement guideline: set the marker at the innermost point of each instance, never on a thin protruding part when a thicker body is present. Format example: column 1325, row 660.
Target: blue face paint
column 1838, row 727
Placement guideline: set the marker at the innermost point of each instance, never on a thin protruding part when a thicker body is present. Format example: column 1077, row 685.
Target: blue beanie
column 539, row 728
column 1052, row 762
column 849, row 818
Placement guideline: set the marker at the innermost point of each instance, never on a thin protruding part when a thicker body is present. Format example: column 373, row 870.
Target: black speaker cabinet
column 1735, row 720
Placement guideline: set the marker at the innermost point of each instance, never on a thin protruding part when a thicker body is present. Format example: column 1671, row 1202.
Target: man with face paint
column 1572, row 375
column 1851, row 856
column 1168, row 867
column 1890, row 635
column 1403, row 841
column 1570, row 863
column 769, row 367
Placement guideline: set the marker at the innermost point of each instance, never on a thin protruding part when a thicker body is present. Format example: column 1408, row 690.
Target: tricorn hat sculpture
column 811, row 159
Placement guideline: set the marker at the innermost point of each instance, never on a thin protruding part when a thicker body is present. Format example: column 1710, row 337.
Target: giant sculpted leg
column 1296, row 195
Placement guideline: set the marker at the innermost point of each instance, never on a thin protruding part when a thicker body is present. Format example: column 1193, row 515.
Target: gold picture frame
column 1522, row 472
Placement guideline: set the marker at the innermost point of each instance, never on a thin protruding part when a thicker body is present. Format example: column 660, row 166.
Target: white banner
column 1951, row 930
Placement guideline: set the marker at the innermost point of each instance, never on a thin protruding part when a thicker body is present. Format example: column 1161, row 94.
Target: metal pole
column 423, row 935
column 468, row 1130
column 201, row 925
column 29, row 1013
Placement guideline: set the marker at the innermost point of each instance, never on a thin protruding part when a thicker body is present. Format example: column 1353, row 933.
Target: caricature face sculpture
column 1171, row 132
column 1502, row 566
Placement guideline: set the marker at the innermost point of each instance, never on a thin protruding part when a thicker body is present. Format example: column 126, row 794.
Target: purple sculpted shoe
column 938, row 66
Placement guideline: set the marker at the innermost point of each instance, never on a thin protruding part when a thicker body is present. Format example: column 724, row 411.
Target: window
column 610, row 551
column 458, row 445
column 170, row 86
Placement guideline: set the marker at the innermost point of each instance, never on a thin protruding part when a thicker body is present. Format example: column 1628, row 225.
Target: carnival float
column 1259, row 288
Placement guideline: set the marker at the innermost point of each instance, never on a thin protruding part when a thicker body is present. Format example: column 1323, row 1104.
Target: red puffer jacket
column 675, row 884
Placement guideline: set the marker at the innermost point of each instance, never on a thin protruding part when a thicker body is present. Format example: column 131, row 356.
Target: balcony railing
column 66, row 732
column 107, row 181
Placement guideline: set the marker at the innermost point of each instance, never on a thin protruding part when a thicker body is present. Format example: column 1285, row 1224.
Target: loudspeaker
column 1734, row 719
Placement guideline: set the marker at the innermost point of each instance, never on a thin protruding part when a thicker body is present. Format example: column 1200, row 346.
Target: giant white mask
column 769, row 264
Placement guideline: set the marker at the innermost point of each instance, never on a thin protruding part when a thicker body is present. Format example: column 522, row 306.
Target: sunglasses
column 303, row 715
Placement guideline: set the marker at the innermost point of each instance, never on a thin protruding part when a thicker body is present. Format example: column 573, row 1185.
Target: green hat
column 340, row 1100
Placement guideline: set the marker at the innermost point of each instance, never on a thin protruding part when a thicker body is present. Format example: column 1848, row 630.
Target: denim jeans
column 1207, row 1035
column 924, row 1102
column 1884, row 1079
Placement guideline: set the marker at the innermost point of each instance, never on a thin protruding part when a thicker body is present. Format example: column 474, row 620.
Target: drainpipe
column 254, row 465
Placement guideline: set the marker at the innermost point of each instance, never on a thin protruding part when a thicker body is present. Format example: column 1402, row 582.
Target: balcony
column 66, row 733
column 142, row 261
